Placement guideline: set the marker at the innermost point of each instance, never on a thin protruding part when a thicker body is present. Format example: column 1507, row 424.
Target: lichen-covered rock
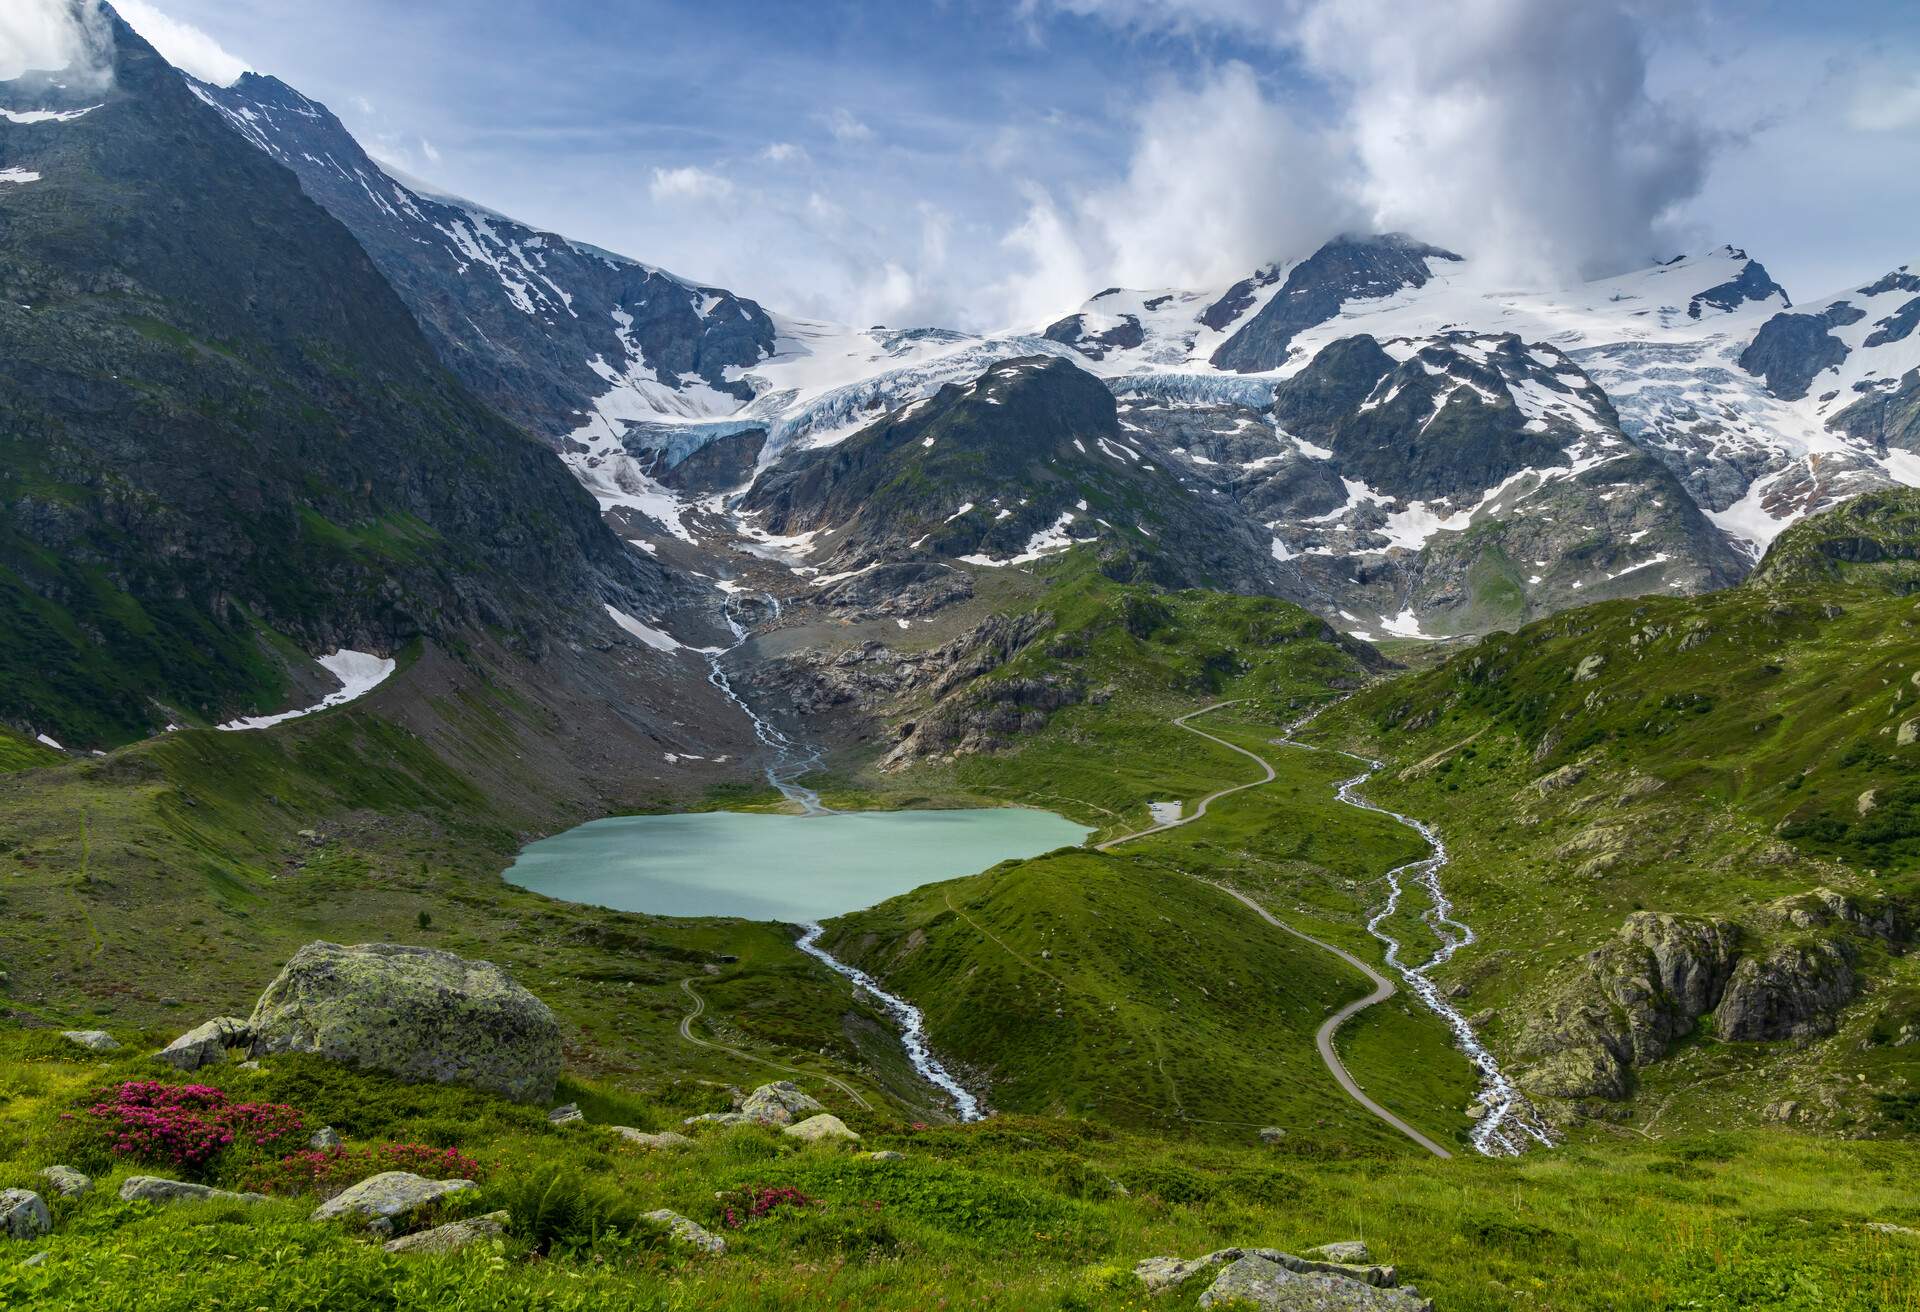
column 1794, row 992
column 417, row 1013
column 1260, row 1282
column 453, row 1236
column 819, row 1129
column 205, row 1044
column 779, row 1103
column 689, row 1232
column 91, row 1040
column 66, row 1181
column 324, row 1138
column 24, row 1214
column 156, row 1189
column 1347, row 1252
column 885, row 1155
column 640, row 1138
column 387, row 1197
column 569, row 1114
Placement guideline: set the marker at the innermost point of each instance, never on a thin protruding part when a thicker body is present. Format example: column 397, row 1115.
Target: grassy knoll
column 1019, row 1213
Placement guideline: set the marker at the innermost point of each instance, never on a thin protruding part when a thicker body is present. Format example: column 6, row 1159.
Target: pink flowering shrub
column 324, row 1172
column 187, row 1126
column 761, row 1201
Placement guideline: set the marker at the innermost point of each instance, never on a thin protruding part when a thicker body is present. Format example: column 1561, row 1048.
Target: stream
column 1508, row 1120
column 789, row 764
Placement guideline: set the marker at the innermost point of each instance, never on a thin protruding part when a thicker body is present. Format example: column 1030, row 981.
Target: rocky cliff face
column 555, row 334
column 1786, row 977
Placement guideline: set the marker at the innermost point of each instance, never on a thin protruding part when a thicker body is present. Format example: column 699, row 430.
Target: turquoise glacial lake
column 777, row 867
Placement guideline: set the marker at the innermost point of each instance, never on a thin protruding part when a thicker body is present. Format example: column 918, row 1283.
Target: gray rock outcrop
column 156, row 1189
column 642, row 1139
column 1258, row 1281
column 386, row 1198
column 778, row 1104
column 689, row 1232
column 66, row 1181
column 453, row 1236
column 1793, row 992
column 24, row 1214
column 417, row 1013
column 820, row 1129
column 92, row 1040
column 205, row 1044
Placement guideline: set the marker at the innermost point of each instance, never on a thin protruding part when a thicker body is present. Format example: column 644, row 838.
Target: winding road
column 1383, row 988
column 699, row 1009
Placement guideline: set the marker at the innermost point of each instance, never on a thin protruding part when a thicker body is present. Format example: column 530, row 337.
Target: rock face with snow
column 1025, row 461
column 414, row 1012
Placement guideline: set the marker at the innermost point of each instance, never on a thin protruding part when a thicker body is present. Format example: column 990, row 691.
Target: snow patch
column 359, row 673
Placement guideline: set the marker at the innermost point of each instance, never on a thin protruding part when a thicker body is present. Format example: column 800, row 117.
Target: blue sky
column 993, row 162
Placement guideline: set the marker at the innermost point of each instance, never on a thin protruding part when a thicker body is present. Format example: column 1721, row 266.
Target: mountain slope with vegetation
column 225, row 438
column 1690, row 832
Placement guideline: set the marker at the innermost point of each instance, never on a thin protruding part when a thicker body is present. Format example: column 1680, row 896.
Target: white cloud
column 1886, row 101
column 784, row 152
column 51, row 35
column 1221, row 180
column 689, row 183
column 428, row 149
column 184, row 46
column 1521, row 132
column 845, row 127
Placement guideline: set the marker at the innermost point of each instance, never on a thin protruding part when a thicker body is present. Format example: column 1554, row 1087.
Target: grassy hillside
column 1718, row 757
column 1019, row 1213
column 1124, row 985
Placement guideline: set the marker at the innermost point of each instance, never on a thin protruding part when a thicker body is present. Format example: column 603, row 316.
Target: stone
column 92, row 1040
column 1589, row 668
column 1164, row 1274
column 1794, row 992
column 24, row 1214
column 1346, row 1252
column 1271, row 1134
column 418, row 1013
column 38, row 1259
column 205, row 1044
column 1908, row 735
column 885, row 1155
column 156, row 1189
column 569, row 1114
column 66, row 1181
column 323, row 1139
column 387, row 1197
column 665, row 1139
column 1260, row 1282
column 779, row 1103
column 452, row 1237
column 817, row 1129
column 689, row 1232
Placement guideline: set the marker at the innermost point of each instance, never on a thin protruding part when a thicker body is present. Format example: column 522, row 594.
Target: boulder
column 39, row 1258
column 387, row 1197
column 205, row 1044
column 689, row 1232
column 417, row 1013
column 24, row 1214
column 156, row 1189
column 452, row 1237
column 665, row 1139
column 1908, row 735
column 92, row 1040
column 570, row 1114
column 780, row 1103
column 324, row 1138
column 66, row 1181
column 818, row 1129
column 1271, row 1134
column 1258, row 1281
column 1794, row 992
column 885, row 1155
column 1346, row 1251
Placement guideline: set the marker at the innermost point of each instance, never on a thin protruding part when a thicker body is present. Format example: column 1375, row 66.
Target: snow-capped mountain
column 1428, row 449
